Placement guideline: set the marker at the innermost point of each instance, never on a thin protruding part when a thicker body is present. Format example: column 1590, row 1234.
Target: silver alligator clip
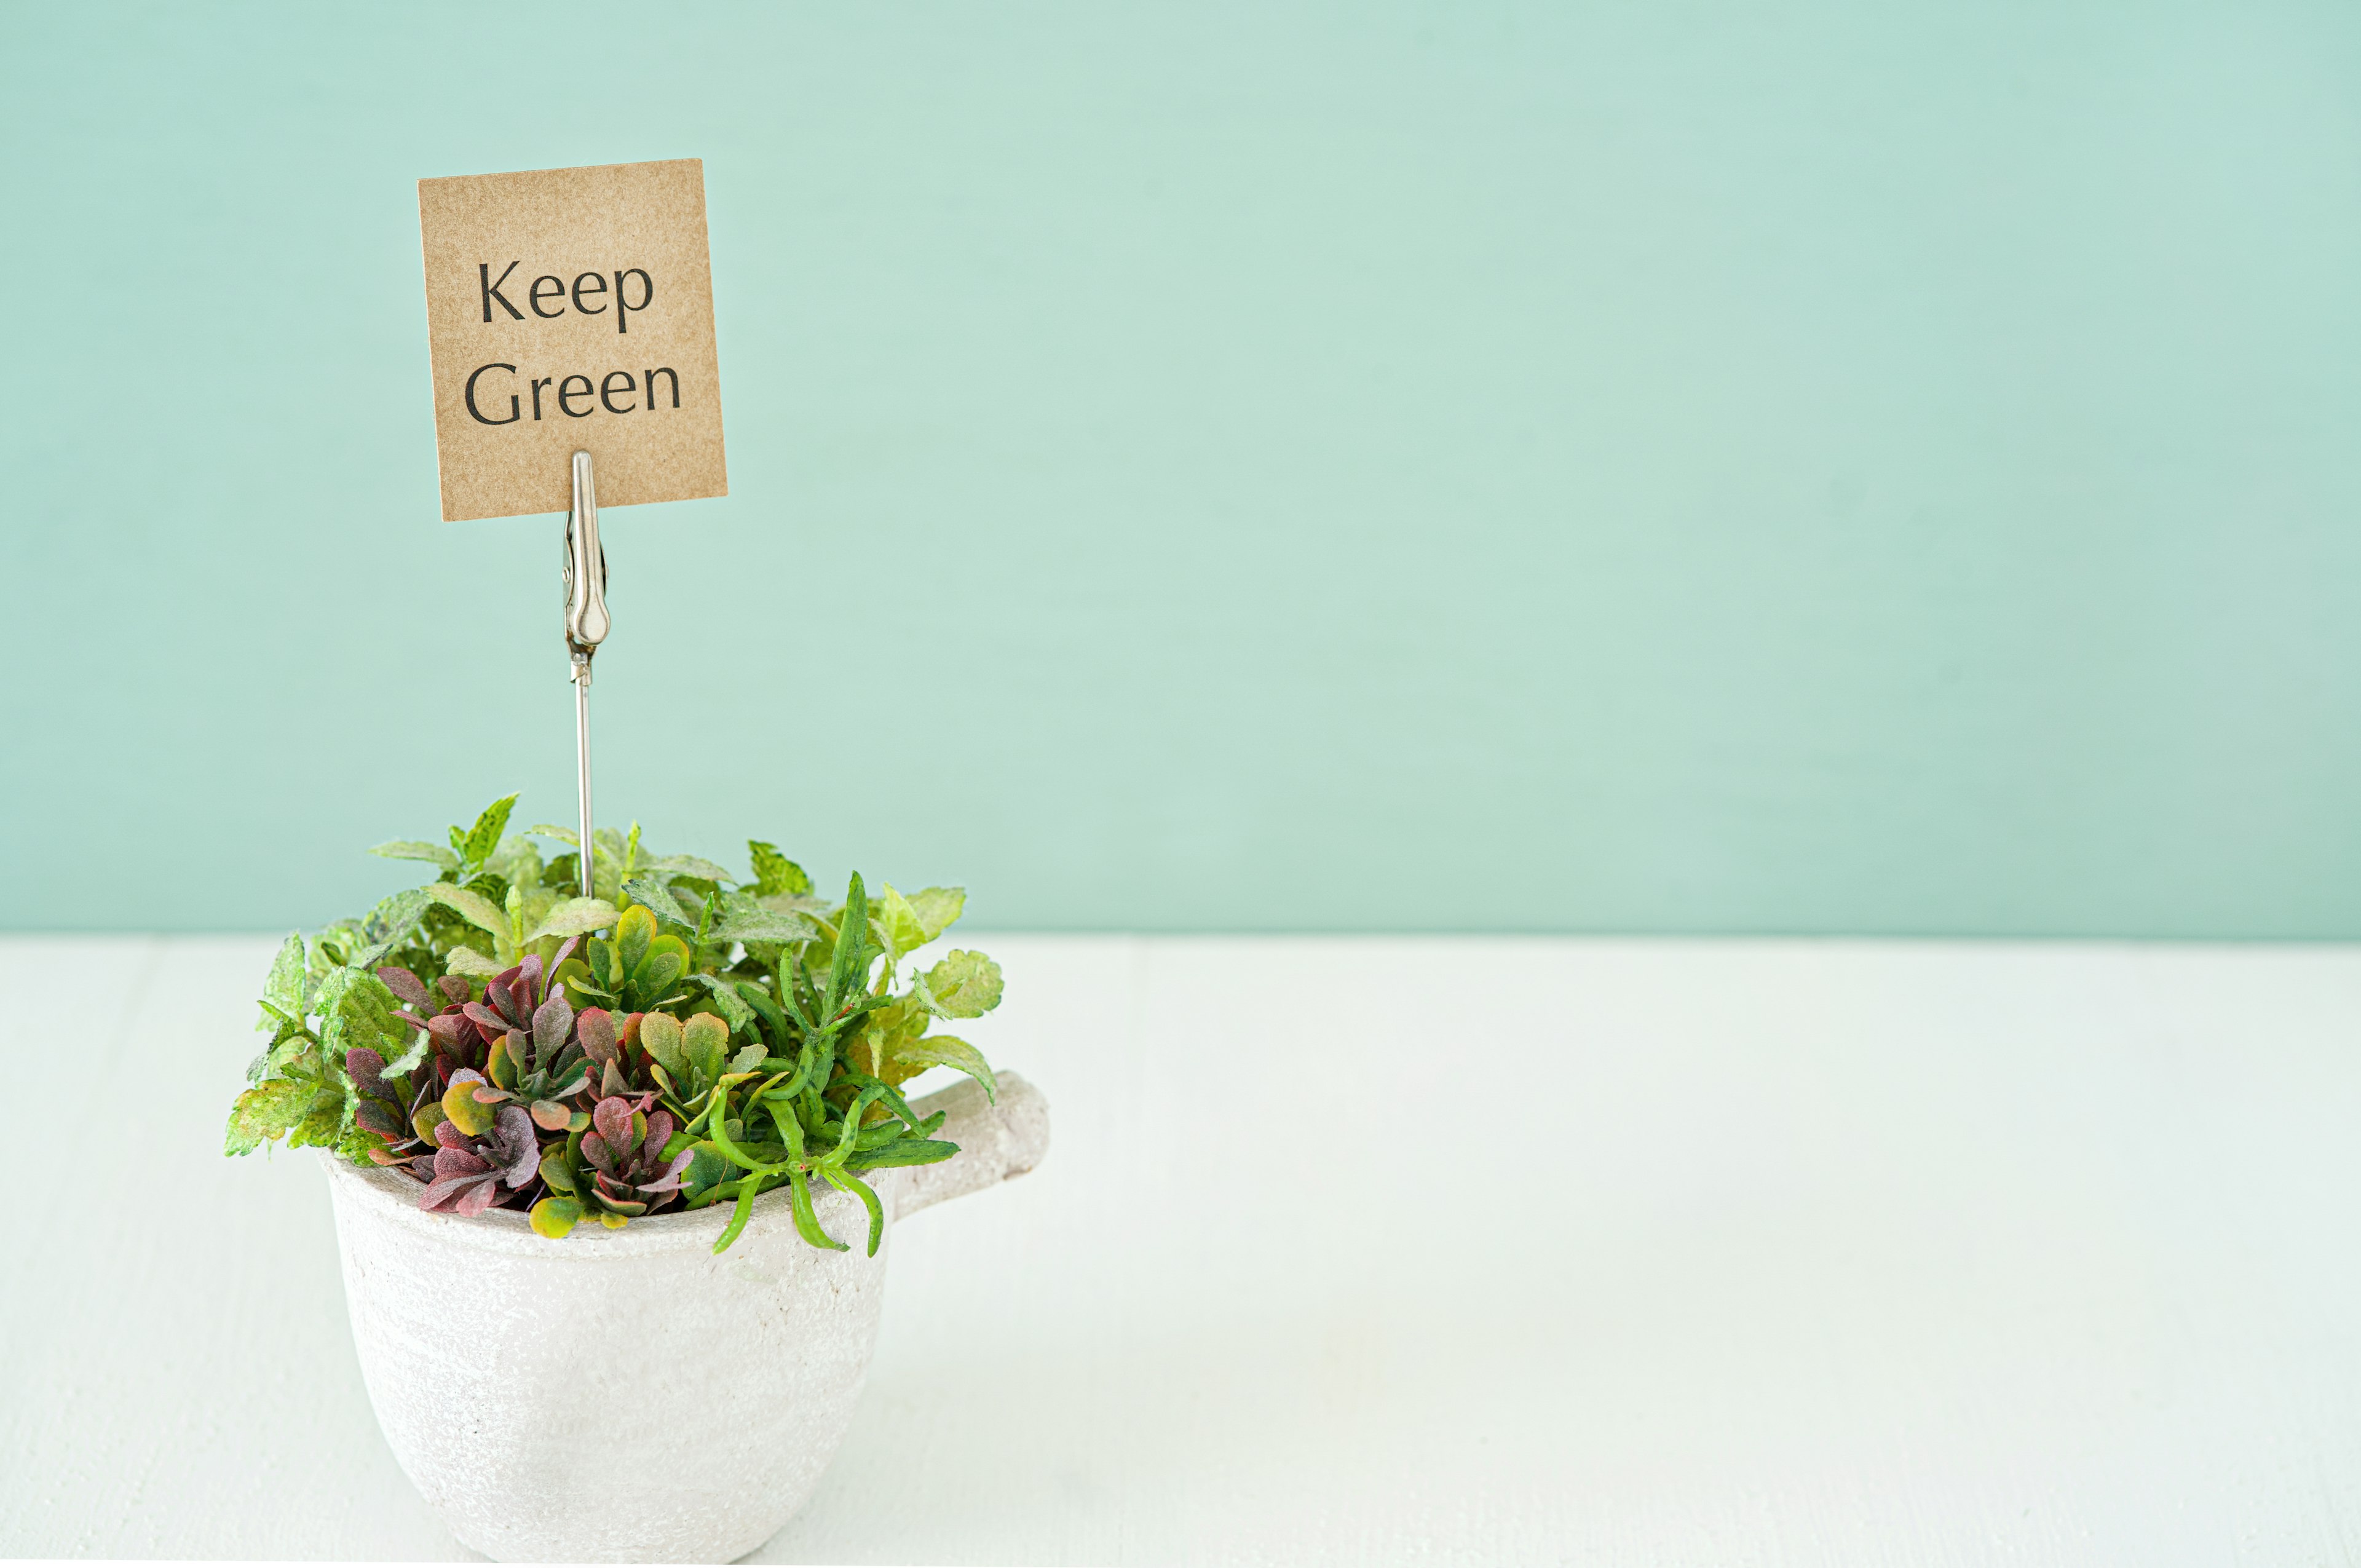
column 586, row 625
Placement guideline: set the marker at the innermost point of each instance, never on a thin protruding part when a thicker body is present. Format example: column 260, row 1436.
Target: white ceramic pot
column 628, row 1394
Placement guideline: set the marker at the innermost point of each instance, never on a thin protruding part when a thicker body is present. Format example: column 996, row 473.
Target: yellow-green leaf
column 556, row 1217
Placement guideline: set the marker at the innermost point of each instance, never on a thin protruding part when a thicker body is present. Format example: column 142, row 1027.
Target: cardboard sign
column 572, row 310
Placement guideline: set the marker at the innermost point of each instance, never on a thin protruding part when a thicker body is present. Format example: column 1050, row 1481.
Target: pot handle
column 998, row 1141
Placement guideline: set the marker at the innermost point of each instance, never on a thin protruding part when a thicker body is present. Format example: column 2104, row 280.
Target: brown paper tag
column 571, row 309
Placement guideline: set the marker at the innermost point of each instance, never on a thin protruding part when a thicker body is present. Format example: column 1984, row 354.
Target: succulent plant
column 639, row 970
column 689, row 1058
column 622, row 1170
column 466, row 1171
column 678, row 1041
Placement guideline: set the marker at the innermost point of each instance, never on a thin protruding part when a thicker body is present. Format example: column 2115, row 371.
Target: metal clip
column 587, row 622
column 586, row 625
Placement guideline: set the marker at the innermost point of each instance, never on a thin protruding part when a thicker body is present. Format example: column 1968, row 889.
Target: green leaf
column 905, row 1151
column 896, row 922
column 466, row 960
column 844, row 1181
column 703, row 1039
column 556, row 1217
column 963, row 986
column 397, row 914
column 936, row 908
column 362, row 1016
column 726, row 1000
column 749, row 1058
column 266, row 1112
column 473, row 907
column 660, row 1035
column 738, row 1216
column 849, row 970
column 471, row 1115
column 948, row 1050
column 687, row 865
column 284, row 990
column 412, row 849
column 738, row 918
column 574, row 918
column 774, row 873
column 657, row 899
column 550, row 830
column 635, row 928
column 485, row 836
column 806, row 1220
column 557, row 1171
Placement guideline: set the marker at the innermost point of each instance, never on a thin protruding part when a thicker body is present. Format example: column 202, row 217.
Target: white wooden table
column 1424, row 1251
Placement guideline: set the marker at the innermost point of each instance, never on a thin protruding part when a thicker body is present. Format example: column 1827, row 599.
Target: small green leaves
column 556, row 1217
column 660, row 1034
column 904, row 1151
column 466, row 960
column 937, row 908
column 657, row 898
column 574, row 918
column 485, row 836
column 950, row 1050
column 268, row 1111
column 726, row 1001
column 703, row 1039
column 807, row 1222
column 471, row 906
column 774, row 873
column 283, row 993
column 635, row 930
column 557, row 1170
column 738, row 1216
column 963, row 986
column 738, row 918
column 412, row 849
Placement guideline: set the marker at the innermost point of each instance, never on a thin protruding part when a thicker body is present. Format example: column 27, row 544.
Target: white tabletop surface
column 1370, row 1251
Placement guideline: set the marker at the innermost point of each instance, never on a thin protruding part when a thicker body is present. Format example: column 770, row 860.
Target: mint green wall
column 1858, row 467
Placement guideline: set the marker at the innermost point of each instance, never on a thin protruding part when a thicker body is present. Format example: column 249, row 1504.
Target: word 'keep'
column 589, row 293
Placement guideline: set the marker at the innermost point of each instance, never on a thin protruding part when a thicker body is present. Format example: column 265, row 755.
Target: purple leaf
column 404, row 984
column 612, row 1117
column 491, row 1024
column 659, row 1130
column 443, row 1189
column 449, row 1161
column 670, row 1180
column 516, row 1138
column 476, row 1200
column 452, row 987
column 595, row 1150
column 564, row 951
column 450, row 1030
column 363, row 1065
column 529, row 993
column 551, row 1023
column 448, row 1136
column 595, row 1029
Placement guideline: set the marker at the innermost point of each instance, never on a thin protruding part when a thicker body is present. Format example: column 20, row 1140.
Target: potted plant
column 621, row 1169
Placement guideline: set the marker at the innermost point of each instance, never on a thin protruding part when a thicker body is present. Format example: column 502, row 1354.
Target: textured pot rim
column 509, row 1232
